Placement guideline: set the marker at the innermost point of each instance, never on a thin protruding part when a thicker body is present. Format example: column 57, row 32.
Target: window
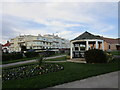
column 76, row 48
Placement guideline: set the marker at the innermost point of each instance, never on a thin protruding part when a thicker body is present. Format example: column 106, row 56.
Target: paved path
column 55, row 61
column 109, row 80
column 76, row 61
column 116, row 56
column 29, row 61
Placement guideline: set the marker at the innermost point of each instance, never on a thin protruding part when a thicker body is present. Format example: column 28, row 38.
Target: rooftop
column 111, row 40
column 87, row 35
column 7, row 44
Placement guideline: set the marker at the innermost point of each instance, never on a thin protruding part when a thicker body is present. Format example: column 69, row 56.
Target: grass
column 18, row 60
column 19, row 65
column 25, row 59
column 115, row 52
column 57, row 59
column 71, row 72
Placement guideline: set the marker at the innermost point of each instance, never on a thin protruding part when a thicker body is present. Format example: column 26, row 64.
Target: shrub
column 67, row 57
column 115, row 60
column 95, row 56
column 68, row 53
column 109, row 57
column 31, row 54
column 47, row 53
column 39, row 60
column 11, row 56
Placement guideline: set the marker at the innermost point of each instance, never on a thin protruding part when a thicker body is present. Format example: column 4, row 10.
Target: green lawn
column 18, row 60
column 57, row 59
column 115, row 52
column 71, row 72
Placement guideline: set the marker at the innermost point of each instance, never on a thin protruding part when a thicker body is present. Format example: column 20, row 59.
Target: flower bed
column 29, row 71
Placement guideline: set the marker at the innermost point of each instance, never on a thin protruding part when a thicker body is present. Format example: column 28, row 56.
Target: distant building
column 38, row 42
column 6, row 47
column 111, row 44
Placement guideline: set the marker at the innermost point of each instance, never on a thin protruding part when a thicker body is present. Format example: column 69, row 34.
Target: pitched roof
column 111, row 40
column 7, row 44
column 87, row 35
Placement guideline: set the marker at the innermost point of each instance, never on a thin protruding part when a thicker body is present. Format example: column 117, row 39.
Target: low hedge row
column 7, row 57
column 47, row 53
column 31, row 54
column 15, row 56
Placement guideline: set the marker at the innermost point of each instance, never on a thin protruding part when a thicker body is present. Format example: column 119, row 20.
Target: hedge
column 15, row 56
column 12, row 56
column 95, row 56
column 47, row 53
column 31, row 54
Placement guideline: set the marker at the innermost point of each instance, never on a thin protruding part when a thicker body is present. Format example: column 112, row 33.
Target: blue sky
column 66, row 19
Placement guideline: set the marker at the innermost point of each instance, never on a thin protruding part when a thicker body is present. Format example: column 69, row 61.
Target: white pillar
column 87, row 46
column 79, row 47
column 71, row 50
column 103, row 45
column 96, row 44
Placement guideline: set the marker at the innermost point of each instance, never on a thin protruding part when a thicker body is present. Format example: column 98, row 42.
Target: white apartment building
column 39, row 42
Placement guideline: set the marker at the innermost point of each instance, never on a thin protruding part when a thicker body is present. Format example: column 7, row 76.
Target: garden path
column 29, row 61
column 116, row 56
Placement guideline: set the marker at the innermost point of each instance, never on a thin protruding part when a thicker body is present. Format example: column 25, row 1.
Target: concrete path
column 55, row 61
column 76, row 61
column 109, row 80
column 28, row 61
column 116, row 56
column 55, row 57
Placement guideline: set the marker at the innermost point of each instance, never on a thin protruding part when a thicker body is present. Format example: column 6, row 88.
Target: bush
column 47, row 53
column 115, row 60
column 68, row 53
column 39, row 60
column 95, row 56
column 11, row 56
column 109, row 57
column 31, row 54
column 15, row 56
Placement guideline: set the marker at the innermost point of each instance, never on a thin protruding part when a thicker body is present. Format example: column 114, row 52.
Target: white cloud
column 59, row 0
column 55, row 15
column 107, row 29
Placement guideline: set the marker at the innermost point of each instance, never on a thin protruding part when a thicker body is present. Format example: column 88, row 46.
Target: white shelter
column 85, row 42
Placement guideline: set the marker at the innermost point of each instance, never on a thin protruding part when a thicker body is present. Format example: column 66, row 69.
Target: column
column 96, row 44
column 103, row 45
column 87, row 45
column 71, row 50
column 79, row 47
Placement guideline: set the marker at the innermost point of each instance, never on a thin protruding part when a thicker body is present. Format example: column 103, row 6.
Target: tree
column 23, row 48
